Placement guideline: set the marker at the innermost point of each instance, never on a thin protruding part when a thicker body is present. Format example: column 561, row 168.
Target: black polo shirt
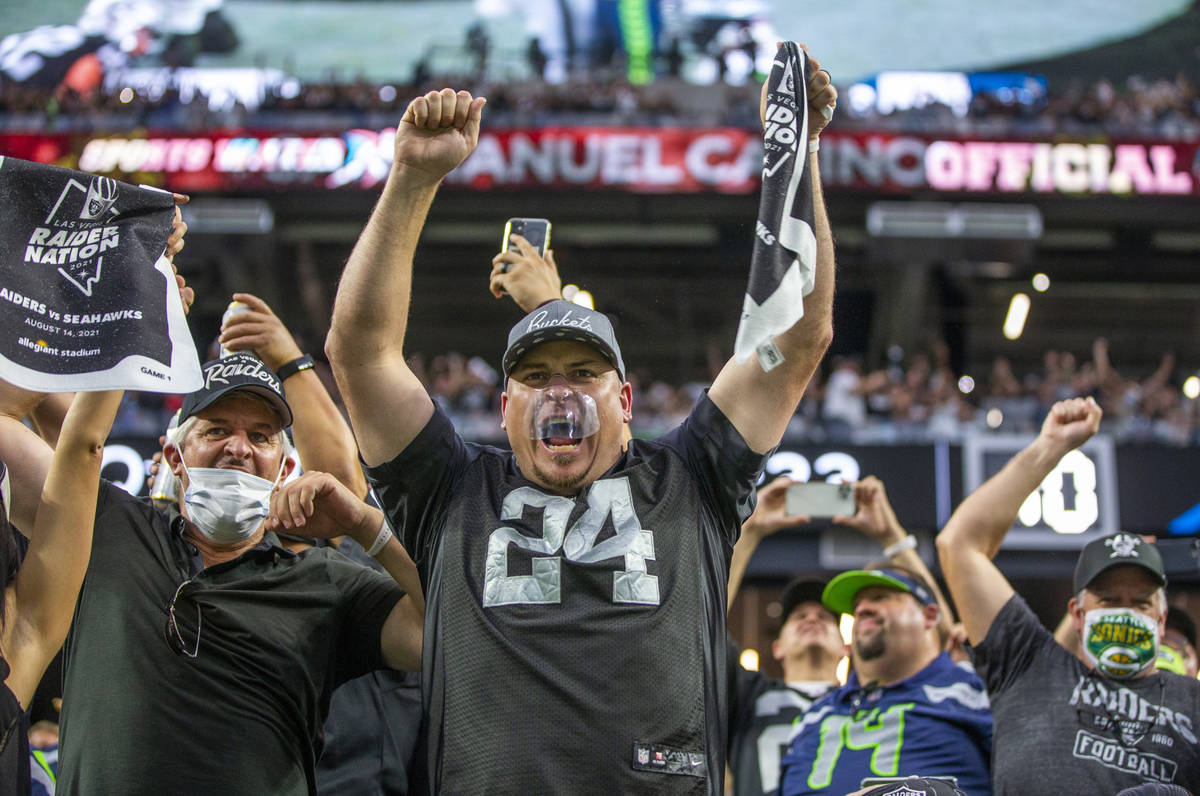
column 277, row 632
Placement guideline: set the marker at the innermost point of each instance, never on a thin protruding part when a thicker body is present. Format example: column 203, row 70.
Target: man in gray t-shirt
column 1062, row 724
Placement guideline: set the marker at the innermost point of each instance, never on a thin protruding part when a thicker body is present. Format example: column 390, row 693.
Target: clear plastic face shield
column 561, row 413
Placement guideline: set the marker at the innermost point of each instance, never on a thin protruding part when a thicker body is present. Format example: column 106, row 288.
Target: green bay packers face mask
column 1119, row 642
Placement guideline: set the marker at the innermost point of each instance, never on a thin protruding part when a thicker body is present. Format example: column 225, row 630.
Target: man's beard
column 564, row 483
column 871, row 647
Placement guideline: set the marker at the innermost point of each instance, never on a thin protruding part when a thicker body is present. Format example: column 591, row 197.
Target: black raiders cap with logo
column 1117, row 550
column 238, row 371
column 561, row 320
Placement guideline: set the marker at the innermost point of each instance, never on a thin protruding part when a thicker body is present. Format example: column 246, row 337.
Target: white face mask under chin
column 227, row 506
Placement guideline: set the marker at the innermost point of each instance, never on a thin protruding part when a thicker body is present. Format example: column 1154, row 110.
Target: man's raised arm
column 760, row 404
column 975, row 531
column 323, row 440
column 388, row 405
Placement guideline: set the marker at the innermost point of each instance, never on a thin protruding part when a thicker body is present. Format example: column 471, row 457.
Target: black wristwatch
column 289, row 369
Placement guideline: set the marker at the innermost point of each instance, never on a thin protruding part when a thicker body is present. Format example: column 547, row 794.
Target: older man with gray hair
column 1062, row 724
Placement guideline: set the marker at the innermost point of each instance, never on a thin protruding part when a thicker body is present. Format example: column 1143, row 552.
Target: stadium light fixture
column 1018, row 311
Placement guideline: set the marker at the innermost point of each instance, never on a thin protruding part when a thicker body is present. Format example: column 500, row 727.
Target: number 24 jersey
column 574, row 644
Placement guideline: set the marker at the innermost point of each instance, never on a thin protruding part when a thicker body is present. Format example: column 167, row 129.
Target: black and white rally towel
column 89, row 301
column 783, row 265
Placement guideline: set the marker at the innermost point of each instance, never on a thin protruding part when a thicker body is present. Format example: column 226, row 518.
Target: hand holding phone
column 820, row 499
column 527, row 273
column 534, row 230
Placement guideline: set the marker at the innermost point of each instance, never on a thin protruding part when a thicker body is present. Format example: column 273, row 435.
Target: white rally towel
column 89, row 300
column 784, row 261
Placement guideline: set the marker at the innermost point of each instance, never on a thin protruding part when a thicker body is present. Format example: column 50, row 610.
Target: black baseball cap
column 238, row 371
column 799, row 591
column 1100, row 555
column 562, row 320
column 840, row 593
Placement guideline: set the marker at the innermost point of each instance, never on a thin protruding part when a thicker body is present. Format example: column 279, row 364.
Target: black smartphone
column 534, row 230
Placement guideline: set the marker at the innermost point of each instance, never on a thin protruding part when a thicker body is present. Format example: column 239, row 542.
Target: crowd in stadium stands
column 1132, row 107
column 913, row 401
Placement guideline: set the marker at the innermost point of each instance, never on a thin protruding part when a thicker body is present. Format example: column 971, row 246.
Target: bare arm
column 760, row 404
column 877, row 519
column 27, row 455
column 388, row 405
column 318, row 505
column 41, row 602
column 48, row 416
column 770, row 515
column 972, row 537
column 323, row 440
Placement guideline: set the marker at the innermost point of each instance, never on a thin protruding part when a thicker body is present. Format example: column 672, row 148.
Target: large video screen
column 702, row 41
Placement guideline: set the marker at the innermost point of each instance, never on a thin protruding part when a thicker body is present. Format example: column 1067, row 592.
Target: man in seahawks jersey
column 809, row 647
column 907, row 708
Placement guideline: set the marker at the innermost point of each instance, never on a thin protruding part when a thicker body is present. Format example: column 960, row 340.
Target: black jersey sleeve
column 413, row 487
column 725, row 467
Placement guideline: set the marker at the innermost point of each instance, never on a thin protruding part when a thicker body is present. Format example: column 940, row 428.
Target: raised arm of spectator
column 388, row 405
column 760, row 404
column 47, row 415
column 318, row 505
column 770, row 515
column 323, row 440
column 972, row 537
column 24, row 452
column 40, row 602
column 875, row 517
column 528, row 278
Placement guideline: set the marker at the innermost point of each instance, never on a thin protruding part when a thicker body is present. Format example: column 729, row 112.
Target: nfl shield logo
column 643, row 755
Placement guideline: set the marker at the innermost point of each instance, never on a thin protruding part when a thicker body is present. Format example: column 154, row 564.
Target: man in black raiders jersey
column 575, row 588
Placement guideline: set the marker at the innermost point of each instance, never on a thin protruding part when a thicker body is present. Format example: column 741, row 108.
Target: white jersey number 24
column 610, row 497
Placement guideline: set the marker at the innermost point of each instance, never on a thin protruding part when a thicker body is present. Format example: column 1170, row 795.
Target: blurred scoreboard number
column 1075, row 503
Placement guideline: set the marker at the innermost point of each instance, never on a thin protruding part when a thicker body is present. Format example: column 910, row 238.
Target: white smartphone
column 820, row 499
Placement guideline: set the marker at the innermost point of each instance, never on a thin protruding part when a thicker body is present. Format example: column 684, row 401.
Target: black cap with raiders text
column 561, row 320
column 238, row 371
column 1121, row 549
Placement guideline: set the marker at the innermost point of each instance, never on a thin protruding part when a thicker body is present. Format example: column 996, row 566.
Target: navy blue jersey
column 935, row 723
column 574, row 644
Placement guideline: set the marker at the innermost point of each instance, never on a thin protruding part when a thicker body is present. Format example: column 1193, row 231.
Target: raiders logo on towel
column 89, row 302
column 784, row 262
